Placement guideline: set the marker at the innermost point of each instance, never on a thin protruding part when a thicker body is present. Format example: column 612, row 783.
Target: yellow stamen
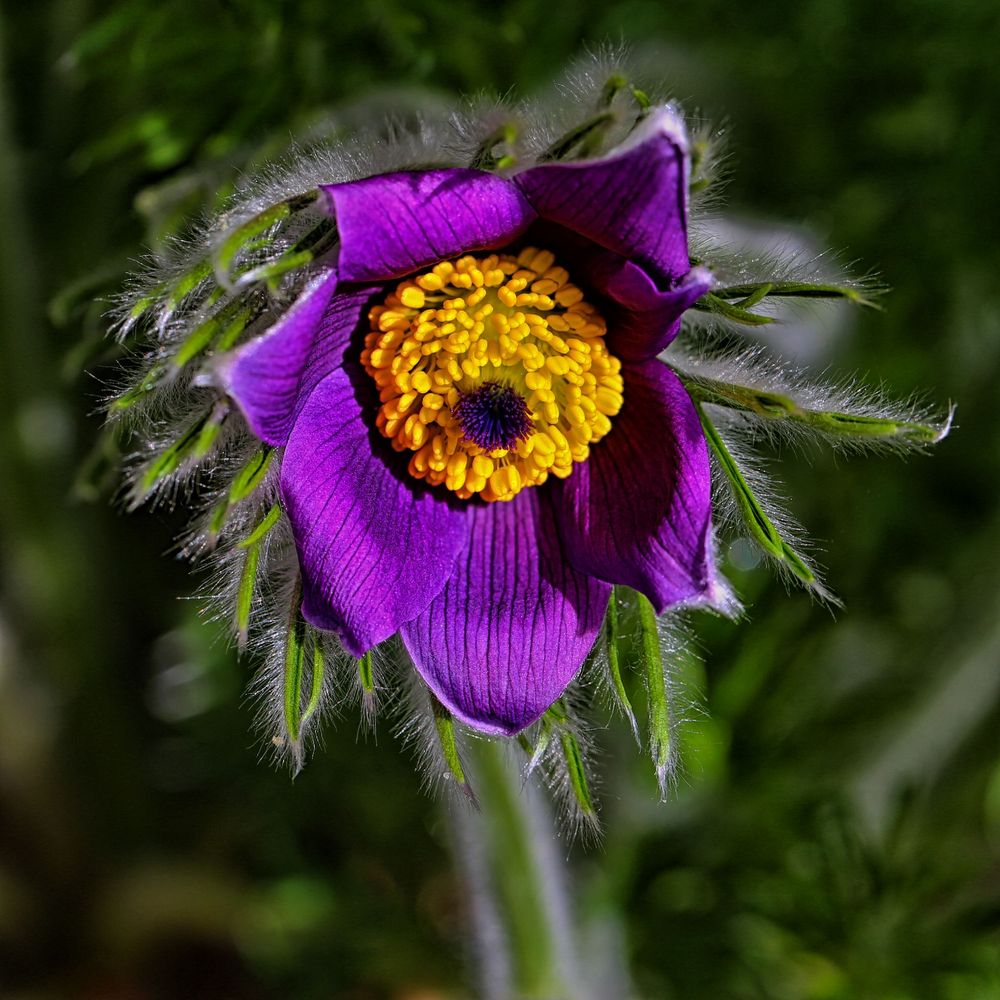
column 515, row 321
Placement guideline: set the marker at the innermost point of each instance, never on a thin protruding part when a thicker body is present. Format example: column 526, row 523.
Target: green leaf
column 777, row 406
column 641, row 98
column 760, row 526
column 633, row 632
column 209, row 433
column 228, row 323
column 366, row 681
column 754, row 297
column 150, row 380
column 244, row 594
column 269, row 520
column 615, row 85
column 444, row 726
column 485, row 157
column 232, row 331
column 576, row 771
column 612, row 88
column 251, row 475
column 537, row 752
column 750, row 293
column 661, row 742
column 557, row 721
column 173, row 293
column 314, row 244
column 617, row 656
column 712, row 303
column 144, row 304
column 366, row 676
column 316, row 684
column 248, row 576
column 172, row 458
column 187, row 283
column 240, row 237
column 295, row 663
column 735, row 302
column 583, row 140
column 303, row 655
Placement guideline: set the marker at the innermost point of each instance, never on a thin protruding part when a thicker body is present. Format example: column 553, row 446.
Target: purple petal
column 393, row 224
column 513, row 624
column 638, row 511
column 270, row 377
column 646, row 319
column 633, row 201
column 642, row 319
column 374, row 545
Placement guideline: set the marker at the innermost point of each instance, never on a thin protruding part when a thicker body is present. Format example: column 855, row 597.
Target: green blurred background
column 836, row 832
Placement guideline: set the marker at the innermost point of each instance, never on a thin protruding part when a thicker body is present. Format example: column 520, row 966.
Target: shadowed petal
column 270, row 377
column 647, row 319
column 638, row 511
column 374, row 545
column 514, row 622
column 633, row 201
column 393, row 224
column 642, row 318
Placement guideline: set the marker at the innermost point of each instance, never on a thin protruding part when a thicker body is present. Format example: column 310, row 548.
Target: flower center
column 495, row 417
column 493, row 371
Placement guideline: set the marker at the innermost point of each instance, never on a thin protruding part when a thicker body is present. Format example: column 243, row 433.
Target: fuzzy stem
column 516, row 884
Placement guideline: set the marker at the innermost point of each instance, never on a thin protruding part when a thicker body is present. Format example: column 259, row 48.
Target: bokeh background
column 837, row 830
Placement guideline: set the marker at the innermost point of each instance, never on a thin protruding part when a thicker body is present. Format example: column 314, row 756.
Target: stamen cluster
column 494, row 416
column 517, row 322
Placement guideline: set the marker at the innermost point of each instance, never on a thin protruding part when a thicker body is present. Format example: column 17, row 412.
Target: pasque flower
column 428, row 382
column 479, row 439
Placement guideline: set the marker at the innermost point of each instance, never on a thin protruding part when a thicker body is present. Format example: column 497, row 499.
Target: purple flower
column 478, row 437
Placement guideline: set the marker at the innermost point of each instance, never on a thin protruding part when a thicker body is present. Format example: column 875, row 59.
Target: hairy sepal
column 560, row 752
column 645, row 645
column 747, row 499
column 782, row 403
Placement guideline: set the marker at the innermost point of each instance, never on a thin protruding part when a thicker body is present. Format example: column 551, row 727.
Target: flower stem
column 516, row 884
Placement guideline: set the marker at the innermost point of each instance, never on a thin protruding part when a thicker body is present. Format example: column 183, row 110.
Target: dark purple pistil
column 493, row 416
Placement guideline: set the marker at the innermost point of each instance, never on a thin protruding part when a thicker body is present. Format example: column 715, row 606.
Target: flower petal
column 393, row 224
column 642, row 319
column 374, row 545
column 638, row 511
column 270, row 377
column 513, row 624
column 633, row 201
column 646, row 320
